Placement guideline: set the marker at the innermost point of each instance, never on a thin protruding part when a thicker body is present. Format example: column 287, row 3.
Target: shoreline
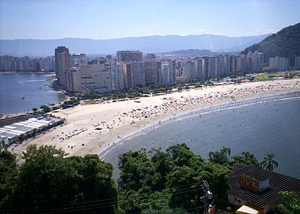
column 58, row 91
column 122, row 119
column 156, row 124
column 27, row 72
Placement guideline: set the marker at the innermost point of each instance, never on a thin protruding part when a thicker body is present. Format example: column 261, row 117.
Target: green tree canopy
column 290, row 203
column 48, row 179
column 246, row 158
column 151, row 181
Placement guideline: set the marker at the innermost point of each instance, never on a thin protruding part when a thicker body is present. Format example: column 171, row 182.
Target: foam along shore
column 96, row 128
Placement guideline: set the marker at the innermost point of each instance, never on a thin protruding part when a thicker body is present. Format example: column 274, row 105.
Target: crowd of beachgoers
column 174, row 104
column 93, row 128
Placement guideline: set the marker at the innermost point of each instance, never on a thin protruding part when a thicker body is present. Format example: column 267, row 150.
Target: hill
column 285, row 43
column 191, row 52
column 149, row 44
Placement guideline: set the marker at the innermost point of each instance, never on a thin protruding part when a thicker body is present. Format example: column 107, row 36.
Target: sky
column 108, row 19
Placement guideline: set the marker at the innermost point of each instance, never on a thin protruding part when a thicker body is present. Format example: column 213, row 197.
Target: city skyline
column 121, row 19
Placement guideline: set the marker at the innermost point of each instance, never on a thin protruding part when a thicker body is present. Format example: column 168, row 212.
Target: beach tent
column 246, row 210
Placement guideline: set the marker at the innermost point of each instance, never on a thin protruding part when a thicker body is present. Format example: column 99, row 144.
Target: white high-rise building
column 94, row 77
column 189, row 70
column 167, row 72
column 117, row 76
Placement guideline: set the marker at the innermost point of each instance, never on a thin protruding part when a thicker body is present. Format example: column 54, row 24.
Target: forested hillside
column 285, row 43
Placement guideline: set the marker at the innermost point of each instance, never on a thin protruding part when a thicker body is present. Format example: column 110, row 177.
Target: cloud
column 201, row 30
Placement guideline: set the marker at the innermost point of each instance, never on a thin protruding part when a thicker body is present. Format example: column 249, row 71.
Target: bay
column 20, row 92
column 265, row 125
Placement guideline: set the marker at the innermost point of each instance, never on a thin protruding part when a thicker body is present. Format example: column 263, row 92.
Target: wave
column 25, row 81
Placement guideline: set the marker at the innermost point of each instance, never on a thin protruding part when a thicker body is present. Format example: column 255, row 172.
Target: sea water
column 20, row 92
column 260, row 126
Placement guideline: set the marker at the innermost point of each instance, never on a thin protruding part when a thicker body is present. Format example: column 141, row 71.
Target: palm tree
column 268, row 162
column 221, row 156
column 226, row 151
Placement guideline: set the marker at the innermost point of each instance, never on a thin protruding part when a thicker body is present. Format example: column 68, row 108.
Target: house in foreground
column 259, row 188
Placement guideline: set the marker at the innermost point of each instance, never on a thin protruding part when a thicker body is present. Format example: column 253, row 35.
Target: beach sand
column 121, row 119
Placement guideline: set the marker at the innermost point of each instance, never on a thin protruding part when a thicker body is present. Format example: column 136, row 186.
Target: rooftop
column 277, row 183
column 15, row 129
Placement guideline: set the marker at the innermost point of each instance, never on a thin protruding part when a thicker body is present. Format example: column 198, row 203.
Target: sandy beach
column 95, row 128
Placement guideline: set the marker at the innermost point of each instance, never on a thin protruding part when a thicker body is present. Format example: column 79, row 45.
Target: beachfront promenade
column 94, row 128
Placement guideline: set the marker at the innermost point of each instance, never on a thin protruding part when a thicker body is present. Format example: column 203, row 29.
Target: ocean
column 20, row 92
column 264, row 125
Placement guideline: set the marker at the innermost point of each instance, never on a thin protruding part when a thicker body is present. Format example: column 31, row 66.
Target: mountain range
column 148, row 44
column 284, row 43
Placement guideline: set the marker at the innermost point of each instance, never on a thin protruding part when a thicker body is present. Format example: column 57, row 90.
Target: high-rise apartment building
column 62, row 64
column 255, row 61
column 167, row 72
column 152, row 71
column 117, row 76
column 198, row 67
column 189, row 70
column 279, row 63
column 297, row 62
column 242, row 63
column 94, row 77
column 134, row 74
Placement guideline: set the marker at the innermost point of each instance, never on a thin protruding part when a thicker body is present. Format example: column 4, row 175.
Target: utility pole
column 207, row 198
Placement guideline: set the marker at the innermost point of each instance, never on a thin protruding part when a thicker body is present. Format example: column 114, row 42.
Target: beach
column 95, row 128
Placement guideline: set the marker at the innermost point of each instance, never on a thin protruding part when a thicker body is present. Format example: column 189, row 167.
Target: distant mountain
column 191, row 52
column 149, row 44
column 285, row 43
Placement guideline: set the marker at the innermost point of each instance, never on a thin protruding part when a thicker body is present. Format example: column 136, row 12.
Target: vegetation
column 246, row 158
column 285, row 43
column 151, row 182
column 172, row 179
column 271, row 76
column 290, row 203
column 269, row 163
column 45, row 108
column 47, row 179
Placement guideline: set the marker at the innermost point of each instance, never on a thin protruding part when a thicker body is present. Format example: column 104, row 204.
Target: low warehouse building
column 19, row 131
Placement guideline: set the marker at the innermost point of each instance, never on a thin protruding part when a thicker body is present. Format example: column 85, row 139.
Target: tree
column 21, row 137
column 151, row 181
column 246, row 158
column 8, row 173
column 290, row 203
column 47, row 179
column 268, row 163
column 45, row 108
column 220, row 157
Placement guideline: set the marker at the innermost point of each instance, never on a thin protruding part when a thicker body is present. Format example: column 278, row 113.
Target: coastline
column 100, row 142
column 60, row 92
column 214, row 107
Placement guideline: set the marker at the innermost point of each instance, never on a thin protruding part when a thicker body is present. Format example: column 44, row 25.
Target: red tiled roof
column 277, row 183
